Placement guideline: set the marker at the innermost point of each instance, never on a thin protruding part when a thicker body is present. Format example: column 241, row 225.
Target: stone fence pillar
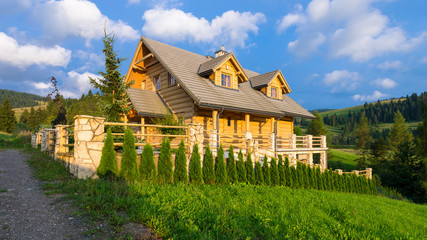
column 60, row 141
column 213, row 138
column 309, row 141
column 369, row 173
column 339, row 171
column 323, row 160
column 34, row 140
column 293, row 141
column 47, row 140
column 88, row 143
column 323, row 141
column 196, row 135
column 355, row 172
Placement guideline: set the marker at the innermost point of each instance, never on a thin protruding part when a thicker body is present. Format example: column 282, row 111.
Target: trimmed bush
column 259, row 176
column 231, row 166
column 220, row 171
column 129, row 166
column 266, row 171
column 241, row 171
column 208, row 167
column 180, row 173
column 250, row 175
column 274, row 173
column 147, row 167
column 164, row 166
column 287, row 171
column 281, row 169
column 195, row 169
column 293, row 177
column 108, row 168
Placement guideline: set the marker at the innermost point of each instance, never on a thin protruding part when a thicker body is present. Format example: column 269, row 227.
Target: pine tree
column 250, row 175
column 316, row 127
column 147, row 167
column 164, row 166
column 208, row 167
column 266, row 171
column 399, row 133
column 363, row 139
column 195, row 169
column 129, row 166
column 180, row 173
column 274, row 173
column 259, row 176
column 231, row 166
column 108, row 165
column 241, row 170
column 220, row 170
column 7, row 117
column 281, row 169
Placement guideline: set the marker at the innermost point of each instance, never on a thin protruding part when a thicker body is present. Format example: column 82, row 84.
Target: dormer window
column 172, row 80
column 273, row 92
column 225, row 80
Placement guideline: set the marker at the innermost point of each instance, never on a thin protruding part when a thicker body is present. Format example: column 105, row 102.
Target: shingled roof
column 185, row 66
column 263, row 80
column 147, row 103
column 207, row 68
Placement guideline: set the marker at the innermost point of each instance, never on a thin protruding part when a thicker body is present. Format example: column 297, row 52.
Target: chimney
column 220, row 52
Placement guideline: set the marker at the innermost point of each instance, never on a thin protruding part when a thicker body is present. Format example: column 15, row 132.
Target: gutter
column 275, row 135
column 217, row 126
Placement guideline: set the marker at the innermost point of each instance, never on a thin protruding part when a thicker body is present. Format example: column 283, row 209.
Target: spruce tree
column 259, row 176
column 220, row 169
column 287, row 172
column 147, row 167
column 250, row 175
column 195, row 170
column 399, row 133
column 231, row 166
column 281, row 169
column 7, row 117
column 316, row 127
column 241, row 170
column 266, row 172
column 274, row 173
column 164, row 166
column 180, row 173
column 108, row 166
column 129, row 165
column 208, row 167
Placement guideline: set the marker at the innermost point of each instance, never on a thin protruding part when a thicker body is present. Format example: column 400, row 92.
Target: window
column 225, row 80
column 156, row 81
column 229, row 121
column 273, row 92
column 172, row 80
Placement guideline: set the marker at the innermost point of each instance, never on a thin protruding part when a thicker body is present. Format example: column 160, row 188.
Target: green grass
column 342, row 159
column 14, row 141
column 238, row 211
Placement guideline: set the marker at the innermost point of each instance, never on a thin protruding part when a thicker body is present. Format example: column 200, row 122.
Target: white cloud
column 76, row 84
column 80, row 18
column 41, row 85
column 374, row 96
column 384, row 83
column 291, row 19
column 351, row 28
column 91, row 60
column 134, row 1
column 390, row 65
column 22, row 56
column 231, row 28
column 342, row 80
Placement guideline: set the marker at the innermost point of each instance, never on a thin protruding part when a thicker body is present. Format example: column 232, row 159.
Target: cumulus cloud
column 348, row 28
column 80, row 18
column 41, row 85
column 232, row 28
column 76, row 84
column 342, row 80
column 387, row 65
column 384, row 83
column 22, row 56
column 373, row 97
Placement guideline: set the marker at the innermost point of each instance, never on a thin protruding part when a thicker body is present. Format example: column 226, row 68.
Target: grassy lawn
column 14, row 141
column 181, row 211
column 342, row 159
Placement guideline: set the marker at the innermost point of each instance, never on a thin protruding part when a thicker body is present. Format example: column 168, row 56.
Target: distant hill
column 321, row 110
column 20, row 99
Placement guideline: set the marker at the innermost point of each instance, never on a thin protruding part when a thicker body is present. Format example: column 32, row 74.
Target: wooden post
column 214, row 123
column 247, row 122
column 272, row 125
column 142, row 127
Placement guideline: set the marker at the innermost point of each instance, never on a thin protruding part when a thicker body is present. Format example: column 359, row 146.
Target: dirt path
column 26, row 212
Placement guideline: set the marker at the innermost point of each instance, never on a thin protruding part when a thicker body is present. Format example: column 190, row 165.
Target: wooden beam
column 145, row 57
column 272, row 125
column 247, row 121
column 214, row 116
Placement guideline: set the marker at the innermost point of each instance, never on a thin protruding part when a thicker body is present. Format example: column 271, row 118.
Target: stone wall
column 47, row 140
column 88, row 143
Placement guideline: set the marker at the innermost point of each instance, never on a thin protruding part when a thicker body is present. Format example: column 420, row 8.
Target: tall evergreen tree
column 129, row 166
column 399, row 133
column 241, row 170
column 208, row 167
column 195, row 170
column 7, row 117
column 363, row 138
column 293, row 177
column 220, row 169
column 274, row 173
column 147, row 167
column 231, row 166
column 250, row 175
column 164, row 166
column 281, row 169
column 287, row 172
column 316, row 127
column 259, row 176
column 180, row 173
column 266, row 171
column 108, row 165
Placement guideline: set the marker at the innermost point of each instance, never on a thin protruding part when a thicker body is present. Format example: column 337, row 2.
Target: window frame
column 276, row 95
column 170, row 80
column 229, row 80
column 156, row 80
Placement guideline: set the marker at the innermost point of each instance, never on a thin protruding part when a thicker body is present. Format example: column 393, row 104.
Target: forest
column 20, row 99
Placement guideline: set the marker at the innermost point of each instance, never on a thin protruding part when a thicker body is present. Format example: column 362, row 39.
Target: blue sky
column 333, row 53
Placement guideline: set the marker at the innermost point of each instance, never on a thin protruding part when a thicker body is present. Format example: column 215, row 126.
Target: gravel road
column 27, row 213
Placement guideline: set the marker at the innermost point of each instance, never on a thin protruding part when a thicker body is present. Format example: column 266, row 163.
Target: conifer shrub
column 299, row 175
column 220, row 170
column 195, row 169
column 250, row 175
column 129, row 165
column 108, row 168
column 231, row 166
column 266, row 172
column 259, row 176
column 164, row 166
column 319, row 179
column 147, row 167
column 208, row 167
column 293, row 177
column 180, row 173
column 303, row 175
column 274, row 173
column 281, row 170
column 287, row 172
column 241, row 170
